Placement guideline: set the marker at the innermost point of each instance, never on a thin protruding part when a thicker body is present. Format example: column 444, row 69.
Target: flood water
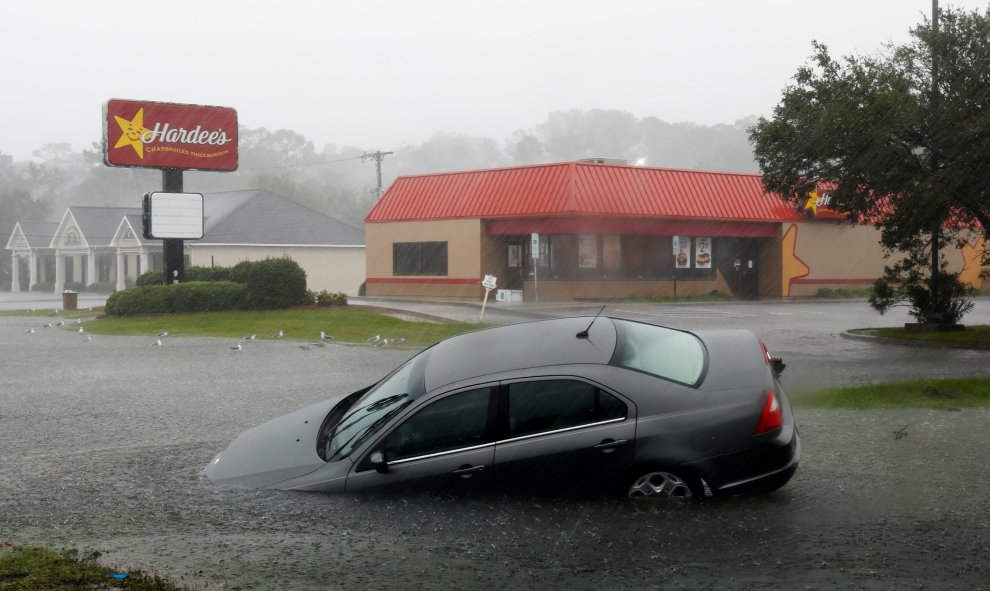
column 102, row 444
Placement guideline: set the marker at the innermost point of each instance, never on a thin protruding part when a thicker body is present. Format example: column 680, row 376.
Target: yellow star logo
column 812, row 203
column 131, row 132
column 972, row 271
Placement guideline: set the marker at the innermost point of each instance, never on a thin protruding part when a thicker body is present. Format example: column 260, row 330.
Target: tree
column 16, row 205
column 894, row 149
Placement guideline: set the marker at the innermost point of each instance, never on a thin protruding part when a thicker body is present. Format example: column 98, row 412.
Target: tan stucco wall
column 849, row 254
column 464, row 240
column 334, row 269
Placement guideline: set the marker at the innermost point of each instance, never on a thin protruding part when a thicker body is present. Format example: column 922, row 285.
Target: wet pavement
column 102, row 444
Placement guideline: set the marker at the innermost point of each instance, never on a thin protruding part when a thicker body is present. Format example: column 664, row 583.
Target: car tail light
column 771, row 418
column 766, row 353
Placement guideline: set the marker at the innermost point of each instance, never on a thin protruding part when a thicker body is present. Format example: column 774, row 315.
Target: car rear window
column 664, row 352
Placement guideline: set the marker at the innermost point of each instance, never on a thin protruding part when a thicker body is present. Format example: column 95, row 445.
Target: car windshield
column 670, row 354
column 370, row 412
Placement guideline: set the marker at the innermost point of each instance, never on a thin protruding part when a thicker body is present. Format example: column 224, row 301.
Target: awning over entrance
column 632, row 226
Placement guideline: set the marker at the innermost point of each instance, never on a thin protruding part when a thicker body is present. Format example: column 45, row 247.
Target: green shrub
column 47, row 286
column 239, row 272
column 189, row 296
column 274, row 283
column 75, row 286
column 197, row 273
column 325, row 298
column 102, row 287
column 151, row 278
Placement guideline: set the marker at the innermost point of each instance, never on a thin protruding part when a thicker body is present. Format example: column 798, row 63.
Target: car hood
column 280, row 449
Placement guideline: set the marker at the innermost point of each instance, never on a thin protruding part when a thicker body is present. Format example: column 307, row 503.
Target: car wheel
column 662, row 483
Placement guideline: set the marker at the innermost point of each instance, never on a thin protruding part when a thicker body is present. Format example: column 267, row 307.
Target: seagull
column 157, row 343
column 49, row 324
column 89, row 339
column 162, row 334
column 250, row 337
column 60, row 323
column 30, row 331
column 81, row 331
column 236, row 347
column 326, row 337
column 380, row 343
column 278, row 335
column 398, row 340
column 78, row 320
column 304, row 347
column 375, row 338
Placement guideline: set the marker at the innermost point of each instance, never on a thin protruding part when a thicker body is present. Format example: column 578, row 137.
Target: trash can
column 70, row 300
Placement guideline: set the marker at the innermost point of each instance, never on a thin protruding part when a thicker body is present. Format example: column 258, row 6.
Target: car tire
column 661, row 482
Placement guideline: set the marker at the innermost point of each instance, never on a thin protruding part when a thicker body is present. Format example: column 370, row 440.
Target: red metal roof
column 582, row 189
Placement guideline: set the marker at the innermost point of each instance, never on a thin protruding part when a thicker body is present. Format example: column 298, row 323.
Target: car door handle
column 608, row 446
column 467, row 471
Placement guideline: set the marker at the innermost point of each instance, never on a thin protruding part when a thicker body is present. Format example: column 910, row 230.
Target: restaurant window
column 419, row 258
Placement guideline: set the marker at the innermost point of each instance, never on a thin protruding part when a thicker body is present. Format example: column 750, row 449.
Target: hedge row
column 195, row 296
column 268, row 284
column 192, row 274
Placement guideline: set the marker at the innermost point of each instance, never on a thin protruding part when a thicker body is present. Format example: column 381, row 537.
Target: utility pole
column 378, row 156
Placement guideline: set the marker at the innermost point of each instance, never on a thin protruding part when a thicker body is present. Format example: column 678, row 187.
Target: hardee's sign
column 817, row 205
column 169, row 135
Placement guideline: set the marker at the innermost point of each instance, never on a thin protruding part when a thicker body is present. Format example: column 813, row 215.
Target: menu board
column 703, row 253
column 682, row 252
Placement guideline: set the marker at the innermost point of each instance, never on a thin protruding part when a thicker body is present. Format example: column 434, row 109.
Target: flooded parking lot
column 102, row 444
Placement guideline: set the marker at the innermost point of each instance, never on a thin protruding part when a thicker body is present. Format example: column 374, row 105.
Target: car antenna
column 584, row 333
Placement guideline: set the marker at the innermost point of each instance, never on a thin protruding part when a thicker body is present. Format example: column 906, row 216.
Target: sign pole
column 535, row 256
column 483, row 304
column 489, row 282
column 172, row 248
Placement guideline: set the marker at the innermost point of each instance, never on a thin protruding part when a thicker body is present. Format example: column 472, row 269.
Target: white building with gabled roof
column 106, row 245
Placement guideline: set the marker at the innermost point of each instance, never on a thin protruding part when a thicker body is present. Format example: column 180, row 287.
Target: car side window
column 549, row 405
column 457, row 421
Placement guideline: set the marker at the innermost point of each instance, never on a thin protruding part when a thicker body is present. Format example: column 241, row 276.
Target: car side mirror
column 377, row 460
column 778, row 365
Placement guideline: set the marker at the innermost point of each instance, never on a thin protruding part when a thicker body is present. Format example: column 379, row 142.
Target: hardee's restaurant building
column 591, row 230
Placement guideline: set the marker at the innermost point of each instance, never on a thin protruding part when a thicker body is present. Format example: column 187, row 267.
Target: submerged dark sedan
column 565, row 405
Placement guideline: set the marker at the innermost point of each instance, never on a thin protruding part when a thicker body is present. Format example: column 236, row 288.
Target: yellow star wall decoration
column 972, row 271
column 792, row 266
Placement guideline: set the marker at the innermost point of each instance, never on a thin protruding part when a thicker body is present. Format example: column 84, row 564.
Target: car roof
column 525, row 345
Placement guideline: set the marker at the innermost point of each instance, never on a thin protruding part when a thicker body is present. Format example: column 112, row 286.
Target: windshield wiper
column 360, row 435
column 384, row 402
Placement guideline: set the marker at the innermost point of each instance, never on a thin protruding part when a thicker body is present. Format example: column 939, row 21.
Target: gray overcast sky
column 380, row 73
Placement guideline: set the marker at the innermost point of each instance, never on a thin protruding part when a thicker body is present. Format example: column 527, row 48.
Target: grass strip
column 971, row 334
column 38, row 569
column 945, row 394
column 346, row 325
